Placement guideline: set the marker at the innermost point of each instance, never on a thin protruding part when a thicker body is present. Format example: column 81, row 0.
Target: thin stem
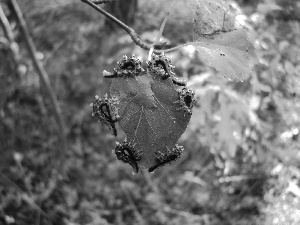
column 134, row 36
column 102, row 1
column 133, row 206
column 162, row 27
column 8, row 33
column 41, row 72
column 6, row 26
column 108, row 15
column 25, row 196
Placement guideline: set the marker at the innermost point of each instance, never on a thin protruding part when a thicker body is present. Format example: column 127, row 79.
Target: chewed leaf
column 149, row 115
column 153, row 108
column 231, row 53
column 210, row 16
column 135, row 89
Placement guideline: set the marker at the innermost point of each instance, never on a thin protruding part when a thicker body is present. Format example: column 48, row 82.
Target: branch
column 133, row 206
column 10, row 42
column 134, row 36
column 6, row 26
column 41, row 72
column 4, row 180
column 182, row 213
column 102, row 1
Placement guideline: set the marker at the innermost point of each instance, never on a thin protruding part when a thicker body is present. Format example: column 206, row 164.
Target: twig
column 133, row 206
column 54, row 51
column 194, row 179
column 150, row 182
column 6, row 26
column 11, row 44
column 185, row 214
column 239, row 178
column 134, row 36
column 161, row 29
column 102, row 1
column 25, row 196
column 41, row 72
column 119, row 217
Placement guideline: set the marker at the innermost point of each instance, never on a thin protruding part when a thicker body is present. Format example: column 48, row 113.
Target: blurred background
column 241, row 163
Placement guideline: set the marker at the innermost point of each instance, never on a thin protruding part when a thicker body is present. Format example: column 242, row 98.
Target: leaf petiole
column 162, row 26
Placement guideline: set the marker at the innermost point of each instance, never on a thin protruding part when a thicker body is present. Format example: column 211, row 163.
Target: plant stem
column 8, row 33
column 102, row 1
column 6, row 26
column 134, row 36
column 42, row 73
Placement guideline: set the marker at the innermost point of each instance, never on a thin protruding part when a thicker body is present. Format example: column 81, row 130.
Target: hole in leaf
column 125, row 151
column 128, row 65
column 161, row 64
column 105, row 111
column 188, row 100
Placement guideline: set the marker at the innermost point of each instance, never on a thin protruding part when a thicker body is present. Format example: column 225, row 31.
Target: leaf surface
column 231, row 53
column 210, row 16
column 148, row 114
column 219, row 40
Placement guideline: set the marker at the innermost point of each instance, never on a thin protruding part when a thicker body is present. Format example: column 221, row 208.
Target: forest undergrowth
column 241, row 159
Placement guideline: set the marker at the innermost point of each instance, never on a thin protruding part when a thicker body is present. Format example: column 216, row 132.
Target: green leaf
column 148, row 114
column 134, row 89
column 210, row 16
column 219, row 40
column 231, row 53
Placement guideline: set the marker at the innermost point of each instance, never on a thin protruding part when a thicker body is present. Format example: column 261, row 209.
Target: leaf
column 232, row 54
column 210, row 16
column 148, row 114
column 137, row 90
column 219, row 41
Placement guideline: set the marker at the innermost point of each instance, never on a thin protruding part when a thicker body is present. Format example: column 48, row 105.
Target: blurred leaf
column 225, row 129
column 289, row 68
column 268, row 6
column 210, row 16
column 232, row 53
column 219, row 41
column 294, row 188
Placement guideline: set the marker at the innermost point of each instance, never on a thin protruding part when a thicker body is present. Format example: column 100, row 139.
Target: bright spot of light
column 189, row 49
column 255, row 17
column 9, row 219
column 276, row 170
column 241, row 19
column 254, row 102
column 289, row 134
column 237, row 135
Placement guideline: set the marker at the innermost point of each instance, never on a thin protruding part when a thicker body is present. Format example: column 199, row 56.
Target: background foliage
column 241, row 160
